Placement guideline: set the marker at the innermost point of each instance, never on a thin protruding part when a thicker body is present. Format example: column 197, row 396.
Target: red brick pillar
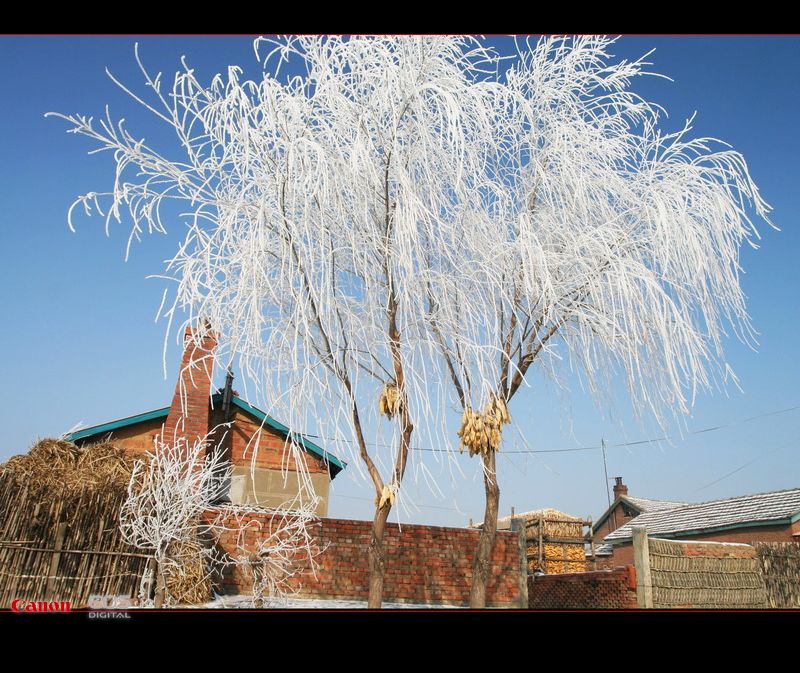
column 189, row 412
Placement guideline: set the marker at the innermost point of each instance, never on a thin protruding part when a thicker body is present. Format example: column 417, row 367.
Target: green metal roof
column 334, row 464
column 114, row 425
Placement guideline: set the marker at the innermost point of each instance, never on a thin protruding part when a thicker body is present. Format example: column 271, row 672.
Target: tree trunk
column 480, row 567
column 161, row 588
column 377, row 557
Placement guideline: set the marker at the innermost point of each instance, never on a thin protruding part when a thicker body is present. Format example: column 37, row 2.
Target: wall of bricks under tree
column 602, row 589
column 424, row 564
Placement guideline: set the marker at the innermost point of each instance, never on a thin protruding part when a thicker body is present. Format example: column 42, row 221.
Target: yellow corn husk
column 387, row 495
column 557, row 556
column 482, row 432
column 389, row 400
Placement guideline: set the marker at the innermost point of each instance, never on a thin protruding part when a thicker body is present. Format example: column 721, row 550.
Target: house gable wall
column 615, row 519
column 135, row 439
column 255, row 481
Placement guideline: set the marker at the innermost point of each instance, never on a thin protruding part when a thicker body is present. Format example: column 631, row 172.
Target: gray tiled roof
column 648, row 505
column 603, row 550
column 717, row 513
column 639, row 504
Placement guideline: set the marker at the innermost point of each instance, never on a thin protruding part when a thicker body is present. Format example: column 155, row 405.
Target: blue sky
column 80, row 343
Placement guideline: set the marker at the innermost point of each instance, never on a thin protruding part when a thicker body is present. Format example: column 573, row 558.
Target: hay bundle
column 481, row 432
column 389, row 401
column 58, row 465
column 186, row 574
column 57, row 471
column 780, row 567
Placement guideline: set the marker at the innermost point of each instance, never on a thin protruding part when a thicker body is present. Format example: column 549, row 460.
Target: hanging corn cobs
column 387, row 495
column 482, row 432
column 389, row 401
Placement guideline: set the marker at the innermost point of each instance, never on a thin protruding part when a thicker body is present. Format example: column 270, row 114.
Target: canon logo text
column 18, row 605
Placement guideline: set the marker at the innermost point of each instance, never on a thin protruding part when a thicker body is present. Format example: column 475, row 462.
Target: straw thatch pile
column 59, row 473
column 780, row 567
column 61, row 496
column 187, row 575
column 58, row 466
column 706, row 575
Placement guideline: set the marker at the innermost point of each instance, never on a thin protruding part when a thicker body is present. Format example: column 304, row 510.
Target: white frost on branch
column 173, row 509
column 516, row 214
column 168, row 493
column 284, row 549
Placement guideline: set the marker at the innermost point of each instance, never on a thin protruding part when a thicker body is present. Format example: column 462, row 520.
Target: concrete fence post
column 519, row 526
column 641, row 560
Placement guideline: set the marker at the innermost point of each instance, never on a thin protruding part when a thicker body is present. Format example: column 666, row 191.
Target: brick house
column 624, row 508
column 760, row 517
column 254, row 442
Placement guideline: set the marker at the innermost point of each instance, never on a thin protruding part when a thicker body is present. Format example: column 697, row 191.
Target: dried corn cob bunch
column 497, row 406
column 389, row 401
column 388, row 494
column 482, row 432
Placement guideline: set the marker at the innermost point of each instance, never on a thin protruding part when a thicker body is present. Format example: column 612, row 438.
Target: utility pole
column 605, row 469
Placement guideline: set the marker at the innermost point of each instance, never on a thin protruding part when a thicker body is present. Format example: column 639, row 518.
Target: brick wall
column 615, row 519
column 249, row 436
column 424, row 564
column 138, row 438
column 602, row 589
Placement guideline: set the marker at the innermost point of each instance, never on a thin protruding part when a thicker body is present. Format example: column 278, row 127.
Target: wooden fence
column 695, row 574
column 64, row 546
column 780, row 566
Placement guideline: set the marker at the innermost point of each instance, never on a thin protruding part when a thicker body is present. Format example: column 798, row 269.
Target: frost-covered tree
column 173, row 510
column 411, row 221
column 602, row 244
column 168, row 493
column 323, row 206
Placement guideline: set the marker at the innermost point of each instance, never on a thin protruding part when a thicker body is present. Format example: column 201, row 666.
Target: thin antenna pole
column 605, row 469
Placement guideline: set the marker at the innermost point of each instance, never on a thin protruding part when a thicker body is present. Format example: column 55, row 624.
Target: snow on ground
column 243, row 602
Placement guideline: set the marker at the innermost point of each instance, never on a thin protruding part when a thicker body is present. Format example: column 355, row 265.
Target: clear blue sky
column 80, row 343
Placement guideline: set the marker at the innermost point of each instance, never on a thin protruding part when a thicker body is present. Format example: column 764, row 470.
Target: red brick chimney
column 189, row 412
column 619, row 488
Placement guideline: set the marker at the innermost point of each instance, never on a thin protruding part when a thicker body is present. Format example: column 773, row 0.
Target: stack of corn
column 482, row 432
column 562, row 542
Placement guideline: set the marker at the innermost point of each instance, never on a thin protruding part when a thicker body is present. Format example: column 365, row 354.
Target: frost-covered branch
column 167, row 495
